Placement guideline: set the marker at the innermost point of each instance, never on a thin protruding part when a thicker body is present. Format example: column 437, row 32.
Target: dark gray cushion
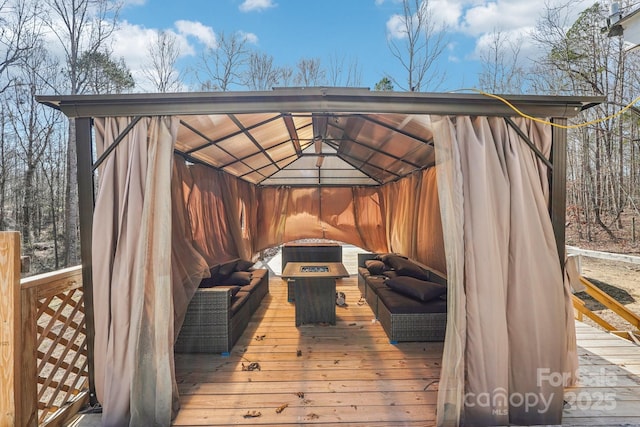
column 416, row 288
column 390, row 274
column 255, row 282
column 240, row 278
column 237, row 301
column 406, row 267
column 401, row 304
column 259, row 273
column 226, row 269
column 386, row 257
column 212, row 280
column 375, row 267
column 376, row 282
column 364, row 272
column 244, row 265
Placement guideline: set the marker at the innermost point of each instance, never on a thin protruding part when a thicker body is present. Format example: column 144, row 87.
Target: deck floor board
column 349, row 374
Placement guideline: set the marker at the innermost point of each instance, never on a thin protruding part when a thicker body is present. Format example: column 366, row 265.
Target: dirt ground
column 621, row 280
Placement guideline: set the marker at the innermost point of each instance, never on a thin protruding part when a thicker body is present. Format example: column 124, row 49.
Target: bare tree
column 18, row 34
column 81, row 27
column 343, row 73
column 5, row 159
column 501, row 70
column 33, row 124
column 222, row 67
column 419, row 44
column 160, row 69
column 581, row 59
column 285, row 76
column 261, row 73
column 310, row 73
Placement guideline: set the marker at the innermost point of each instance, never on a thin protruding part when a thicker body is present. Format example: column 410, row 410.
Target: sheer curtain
column 131, row 250
column 506, row 329
column 351, row 215
column 413, row 219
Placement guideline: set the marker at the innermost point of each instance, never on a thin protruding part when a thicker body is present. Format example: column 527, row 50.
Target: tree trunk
column 27, row 209
column 71, row 202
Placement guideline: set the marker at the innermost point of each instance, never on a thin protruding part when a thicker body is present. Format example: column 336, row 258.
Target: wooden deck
column 349, row 375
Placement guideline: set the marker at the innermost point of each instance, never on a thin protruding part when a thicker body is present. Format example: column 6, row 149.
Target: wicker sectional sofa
column 415, row 312
column 221, row 308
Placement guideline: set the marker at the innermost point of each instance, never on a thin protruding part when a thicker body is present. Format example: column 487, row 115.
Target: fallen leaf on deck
column 299, row 353
column 312, row 416
column 300, row 394
column 260, row 337
column 281, row 408
column 252, row 414
column 253, row 366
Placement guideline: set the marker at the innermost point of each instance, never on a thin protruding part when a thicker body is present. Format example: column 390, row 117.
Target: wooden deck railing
column 43, row 342
column 633, row 333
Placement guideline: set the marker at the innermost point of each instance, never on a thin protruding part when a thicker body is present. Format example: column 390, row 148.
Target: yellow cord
column 546, row 122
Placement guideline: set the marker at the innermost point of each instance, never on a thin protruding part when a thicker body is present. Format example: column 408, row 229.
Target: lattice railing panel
column 61, row 349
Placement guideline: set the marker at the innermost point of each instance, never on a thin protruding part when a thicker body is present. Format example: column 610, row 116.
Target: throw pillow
column 385, row 257
column 226, row 269
column 375, row 266
column 390, row 274
column 244, row 265
column 415, row 288
column 212, row 280
column 406, row 267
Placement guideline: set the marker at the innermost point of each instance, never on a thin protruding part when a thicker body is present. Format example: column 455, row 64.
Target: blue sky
column 356, row 30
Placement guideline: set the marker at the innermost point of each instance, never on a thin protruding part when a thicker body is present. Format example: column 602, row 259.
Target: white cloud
column 479, row 19
column 249, row 37
column 201, row 32
column 396, row 27
column 132, row 42
column 517, row 37
column 448, row 12
column 502, row 15
column 444, row 12
column 256, row 5
column 127, row 3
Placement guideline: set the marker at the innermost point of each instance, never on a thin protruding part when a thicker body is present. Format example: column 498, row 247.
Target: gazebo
column 469, row 184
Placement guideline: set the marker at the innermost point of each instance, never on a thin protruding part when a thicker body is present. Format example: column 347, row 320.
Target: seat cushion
column 238, row 301
column 376, row 282
column 239, row 278
column 397, row 303
column 415, row 288
column 259, row 273
column 255, row 282
column 364, row 272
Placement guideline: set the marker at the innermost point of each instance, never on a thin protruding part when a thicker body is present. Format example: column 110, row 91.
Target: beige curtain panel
column 134, row 370
column 506, row 301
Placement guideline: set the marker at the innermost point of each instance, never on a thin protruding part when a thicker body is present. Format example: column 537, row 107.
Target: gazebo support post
column 558, row 185
column 86, row 200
